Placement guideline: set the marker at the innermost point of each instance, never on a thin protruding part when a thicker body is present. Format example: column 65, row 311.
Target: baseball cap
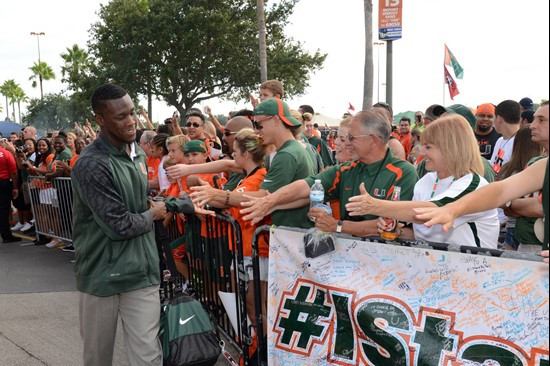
column 464, row 112
column 527, row 103
column 195, row 146
column 276, row 107
column 486, row 108
column 434, row 112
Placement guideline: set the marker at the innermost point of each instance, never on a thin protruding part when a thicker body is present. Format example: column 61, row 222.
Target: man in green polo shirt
column 274, row 122
column 368, row 137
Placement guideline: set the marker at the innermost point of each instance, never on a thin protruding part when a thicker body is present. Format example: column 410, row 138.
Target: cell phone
column 49, row 135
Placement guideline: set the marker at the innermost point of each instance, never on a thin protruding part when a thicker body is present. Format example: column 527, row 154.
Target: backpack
column 187, row 334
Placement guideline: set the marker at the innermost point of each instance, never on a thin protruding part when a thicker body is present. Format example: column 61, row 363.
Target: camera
column 20, row 149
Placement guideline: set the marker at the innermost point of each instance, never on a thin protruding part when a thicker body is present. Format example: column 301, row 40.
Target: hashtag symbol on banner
column 303, row 318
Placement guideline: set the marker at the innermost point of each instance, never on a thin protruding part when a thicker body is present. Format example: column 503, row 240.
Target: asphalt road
column 39, row 309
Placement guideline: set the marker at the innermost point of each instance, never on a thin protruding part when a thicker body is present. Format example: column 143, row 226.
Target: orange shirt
column 250, row 184
column 406, row 142
column 152, row 168
column 73, row 161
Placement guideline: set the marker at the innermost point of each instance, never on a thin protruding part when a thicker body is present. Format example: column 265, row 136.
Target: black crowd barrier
column 212, row 268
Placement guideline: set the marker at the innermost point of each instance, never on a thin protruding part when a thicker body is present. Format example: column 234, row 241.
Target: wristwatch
column 339, row 227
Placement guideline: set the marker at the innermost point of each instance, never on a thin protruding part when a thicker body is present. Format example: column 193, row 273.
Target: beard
column 484, row 129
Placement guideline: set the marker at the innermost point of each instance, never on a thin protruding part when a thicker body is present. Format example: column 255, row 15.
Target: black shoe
column 69, row 248
column 13, row 239
column 41, row 241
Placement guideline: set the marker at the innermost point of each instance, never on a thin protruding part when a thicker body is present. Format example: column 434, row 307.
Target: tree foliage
column 41, row 72
column 53, row 112
column 189, row 51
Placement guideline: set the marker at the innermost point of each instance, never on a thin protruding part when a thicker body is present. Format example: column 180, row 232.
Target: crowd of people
column 259, row 168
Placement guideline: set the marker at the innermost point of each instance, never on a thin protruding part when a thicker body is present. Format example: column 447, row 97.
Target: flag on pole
column 453, row 88
column 351, row 107
column 450, row 60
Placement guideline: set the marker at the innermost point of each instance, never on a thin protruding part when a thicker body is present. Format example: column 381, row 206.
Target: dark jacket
column 114, row 245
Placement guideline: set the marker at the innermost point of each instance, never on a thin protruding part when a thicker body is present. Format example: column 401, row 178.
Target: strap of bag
column 162, row 239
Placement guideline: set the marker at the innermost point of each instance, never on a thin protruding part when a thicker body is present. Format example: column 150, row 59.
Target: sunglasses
column 194, row 124
column 228, row 133
column 257, row 124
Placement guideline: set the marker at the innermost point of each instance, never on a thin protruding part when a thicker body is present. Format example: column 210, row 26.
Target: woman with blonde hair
column 452, row 155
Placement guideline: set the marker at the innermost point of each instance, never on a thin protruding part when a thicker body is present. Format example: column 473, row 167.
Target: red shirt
column 7, row 164
column 152, row 168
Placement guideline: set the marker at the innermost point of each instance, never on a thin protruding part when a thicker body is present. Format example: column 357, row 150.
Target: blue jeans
column 510, row 238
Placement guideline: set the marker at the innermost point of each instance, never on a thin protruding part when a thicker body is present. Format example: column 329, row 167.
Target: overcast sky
column 502, row 45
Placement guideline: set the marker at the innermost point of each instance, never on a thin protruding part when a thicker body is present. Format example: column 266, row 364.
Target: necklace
column 436, row 184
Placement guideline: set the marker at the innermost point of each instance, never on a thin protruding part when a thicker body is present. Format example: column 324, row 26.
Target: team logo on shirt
column 143, row 168
column 379, row 192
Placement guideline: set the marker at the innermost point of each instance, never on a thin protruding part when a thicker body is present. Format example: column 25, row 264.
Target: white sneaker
column 26, row 227
column 55, row 243
column 17, row 226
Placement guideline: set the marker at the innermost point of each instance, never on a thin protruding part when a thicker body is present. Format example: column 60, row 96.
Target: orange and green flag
column 450, row 60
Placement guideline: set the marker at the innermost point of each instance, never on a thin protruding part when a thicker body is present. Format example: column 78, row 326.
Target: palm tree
column 19, row 96
column 77, row 61
column 5, row 92
column 262, row 36
column 41, row 71
column 8, row 89
column 369, row 67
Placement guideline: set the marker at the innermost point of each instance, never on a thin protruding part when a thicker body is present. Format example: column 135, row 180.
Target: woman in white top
column 452, row 155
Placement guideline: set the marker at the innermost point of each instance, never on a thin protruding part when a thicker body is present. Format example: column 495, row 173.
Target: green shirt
column 233, row 181
column 342, row 182
column 488, row 174
column 322, row 148
column 525, row 226
column 291, row 163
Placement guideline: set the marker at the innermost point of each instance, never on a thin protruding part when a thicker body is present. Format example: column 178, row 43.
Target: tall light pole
column 38, row 34
column 378, row 68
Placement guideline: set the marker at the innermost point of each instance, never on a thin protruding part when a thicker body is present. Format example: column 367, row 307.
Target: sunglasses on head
column 194, row 124
column 228, row 133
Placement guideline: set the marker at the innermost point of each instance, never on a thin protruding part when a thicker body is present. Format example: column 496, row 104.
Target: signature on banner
column 384, row 330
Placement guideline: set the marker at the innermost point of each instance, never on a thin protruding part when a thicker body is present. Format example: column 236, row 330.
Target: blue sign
column 390, row 34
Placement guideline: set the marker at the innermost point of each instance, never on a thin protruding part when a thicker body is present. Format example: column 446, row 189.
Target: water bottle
column 317, row 195
column 391, row 233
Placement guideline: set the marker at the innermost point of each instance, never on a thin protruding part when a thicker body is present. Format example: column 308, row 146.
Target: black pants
column 6, row 187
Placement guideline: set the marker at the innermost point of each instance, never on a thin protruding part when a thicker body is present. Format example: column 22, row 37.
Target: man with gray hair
column 152, row 162
column 376, row 168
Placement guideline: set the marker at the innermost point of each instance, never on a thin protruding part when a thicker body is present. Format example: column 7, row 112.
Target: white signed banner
column 380, row 304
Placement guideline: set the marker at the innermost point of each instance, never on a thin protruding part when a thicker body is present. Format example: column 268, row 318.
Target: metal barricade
column 51, row 203
column 211, row 267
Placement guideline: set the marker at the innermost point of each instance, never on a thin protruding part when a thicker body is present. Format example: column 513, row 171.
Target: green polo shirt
column 525, row 226
column 342, row 182
column 291, row 163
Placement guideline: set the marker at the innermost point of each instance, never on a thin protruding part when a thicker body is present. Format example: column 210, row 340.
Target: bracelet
column 227, row 198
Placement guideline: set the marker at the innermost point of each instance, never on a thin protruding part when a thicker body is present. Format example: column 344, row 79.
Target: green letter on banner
column 486, row 352
column 433, row 341
column 393, row 351
column 344, row 345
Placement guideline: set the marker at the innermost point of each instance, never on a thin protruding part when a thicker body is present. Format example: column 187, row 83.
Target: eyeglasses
column 228, row 133
column 352, row 138
column 194, row 124
column 257, row 124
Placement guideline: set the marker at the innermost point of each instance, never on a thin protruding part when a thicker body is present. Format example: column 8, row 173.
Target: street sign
column 390, row 20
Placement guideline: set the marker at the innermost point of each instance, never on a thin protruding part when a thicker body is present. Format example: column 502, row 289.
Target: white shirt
column 478, row 229
column 502, row 153
column 164, row 183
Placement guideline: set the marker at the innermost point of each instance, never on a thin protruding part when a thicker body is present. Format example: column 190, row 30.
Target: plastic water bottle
column 317, row 195
column 391, row 233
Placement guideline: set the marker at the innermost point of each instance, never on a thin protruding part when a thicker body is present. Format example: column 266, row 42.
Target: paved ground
column 39, row 309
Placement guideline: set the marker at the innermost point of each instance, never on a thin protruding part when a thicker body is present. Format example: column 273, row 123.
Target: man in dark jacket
column 117, row 263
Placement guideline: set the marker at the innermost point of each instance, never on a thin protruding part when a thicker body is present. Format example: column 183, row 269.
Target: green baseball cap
column 276, row 107
column 196, row 146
